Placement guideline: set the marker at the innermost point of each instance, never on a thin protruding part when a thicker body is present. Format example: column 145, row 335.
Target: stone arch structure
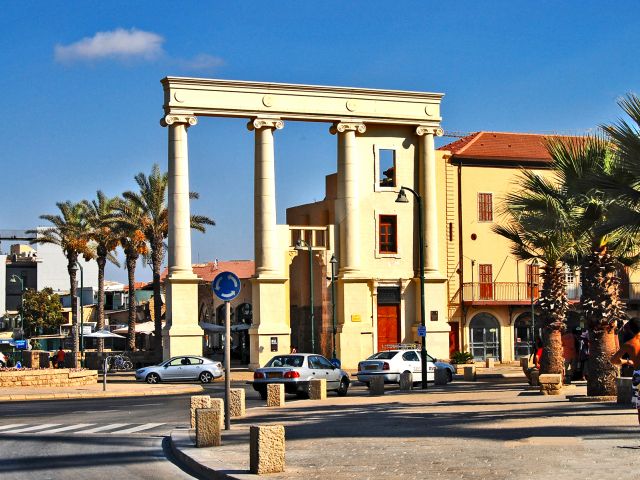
column 267, row 106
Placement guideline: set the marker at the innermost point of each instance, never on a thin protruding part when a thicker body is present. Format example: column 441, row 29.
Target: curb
column 107, row 394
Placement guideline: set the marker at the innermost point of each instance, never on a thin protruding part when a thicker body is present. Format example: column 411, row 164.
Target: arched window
column 484, row 335
column 524, row 336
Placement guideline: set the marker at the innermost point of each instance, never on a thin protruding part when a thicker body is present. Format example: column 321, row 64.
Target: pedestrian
column 570, row 355
column 60, row 358
column 625, row 334
column 583, row 353
column 631, row 349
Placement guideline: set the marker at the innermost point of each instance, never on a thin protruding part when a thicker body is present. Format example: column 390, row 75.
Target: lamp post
column 300, row 245
column 333, row 263
column 402, row 198
column 534, row 267
column 79, row 266
column 14, row 279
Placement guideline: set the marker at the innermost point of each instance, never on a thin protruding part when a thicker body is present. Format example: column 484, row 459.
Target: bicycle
column 119, row 363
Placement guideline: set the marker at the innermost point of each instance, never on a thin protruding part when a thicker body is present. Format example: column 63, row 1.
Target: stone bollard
column 524, row 363
column 406, row 381
column 625, row 390
column 198, row 401
column 266, row 449
column 208, row 427
column 534, row 376
column 376, row 385
column 470, row 373
column 318, row 389
column 440, row 376
column 489, row 362
column 236, row 402
column 550, row 383
column 275, row 395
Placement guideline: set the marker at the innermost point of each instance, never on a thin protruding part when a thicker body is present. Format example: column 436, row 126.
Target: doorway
column 484, row 333
column 388, row 317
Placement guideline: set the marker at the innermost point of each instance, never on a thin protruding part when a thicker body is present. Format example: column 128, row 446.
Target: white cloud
column 120, row 43
column 202, row 61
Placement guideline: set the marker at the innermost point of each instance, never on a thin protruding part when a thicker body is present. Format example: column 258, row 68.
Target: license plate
column 370, row 367
column 274, row 375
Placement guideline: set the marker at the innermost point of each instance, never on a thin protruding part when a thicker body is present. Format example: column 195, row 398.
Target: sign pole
column 227, row 363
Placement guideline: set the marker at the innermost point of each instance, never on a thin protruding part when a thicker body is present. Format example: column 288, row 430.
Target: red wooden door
column 388, row 325
column 454, row 338
column 533, row 281
column 486, row 282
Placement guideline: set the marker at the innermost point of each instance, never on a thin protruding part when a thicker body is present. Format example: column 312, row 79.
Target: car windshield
column 382, row 356
column 286, row 361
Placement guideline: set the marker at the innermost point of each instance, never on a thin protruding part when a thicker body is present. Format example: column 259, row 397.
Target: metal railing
column 521, row 292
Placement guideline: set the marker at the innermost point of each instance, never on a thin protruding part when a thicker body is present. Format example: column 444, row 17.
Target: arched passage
column 524, row 335
column 484, row 336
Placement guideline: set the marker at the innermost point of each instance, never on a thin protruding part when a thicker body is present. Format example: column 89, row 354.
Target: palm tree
column 151, row 199
column 70, row 232
column 100, row 216
column 539, row 226
column 577, row 162
column 134, row 244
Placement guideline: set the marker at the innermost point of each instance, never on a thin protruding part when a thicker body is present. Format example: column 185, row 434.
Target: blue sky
column 81, row 97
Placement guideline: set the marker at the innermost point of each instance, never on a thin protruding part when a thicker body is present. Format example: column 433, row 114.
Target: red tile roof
column 208, row 271
column 138, row 285
column 500, row 146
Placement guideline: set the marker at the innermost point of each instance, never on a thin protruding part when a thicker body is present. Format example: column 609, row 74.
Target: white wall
column 3, row 284
column 52, row 269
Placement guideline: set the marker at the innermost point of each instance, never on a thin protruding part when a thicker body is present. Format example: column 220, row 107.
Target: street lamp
column 14, row 279
column 300, row 245
column 534, row 268
column 402, row 198
column 75, row 267
column 333, row 263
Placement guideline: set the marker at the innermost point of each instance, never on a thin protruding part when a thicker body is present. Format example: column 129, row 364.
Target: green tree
column 151, row 199
column 101, row 219
column 70, row 232
column 539, row 225
column 41, row 312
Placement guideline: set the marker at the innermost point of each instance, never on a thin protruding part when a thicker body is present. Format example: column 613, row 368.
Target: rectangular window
column 485, row 207
column 387, row 167
column 486, row 281
column 533, row 280
column 388, row 234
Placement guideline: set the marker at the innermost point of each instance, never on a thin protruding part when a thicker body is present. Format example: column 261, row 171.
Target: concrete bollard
column 198, row 401
column 376, row 385
column 406, row 381
column 489, row 362
column 625, row 390
column 208, row 427
column 470, row 373
column 318, row 389
column 550, row 383
column 266, row 449
column 525, row 364
column 440, row 376
column 275, row 395
column 534, row 376
column 237, row 402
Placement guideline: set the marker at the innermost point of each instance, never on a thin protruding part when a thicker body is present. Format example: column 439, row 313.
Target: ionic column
column 429, row 194
column 265, row 234
column 179, row 214
column 349, row 220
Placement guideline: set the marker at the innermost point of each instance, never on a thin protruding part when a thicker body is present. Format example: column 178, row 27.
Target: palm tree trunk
column 131, row 332
column 101, row 260
column 156, row 259
column 601, row 380
column 553, row 305
column 72, row 258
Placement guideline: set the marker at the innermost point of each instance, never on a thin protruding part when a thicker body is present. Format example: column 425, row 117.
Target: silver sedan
column 188, row 367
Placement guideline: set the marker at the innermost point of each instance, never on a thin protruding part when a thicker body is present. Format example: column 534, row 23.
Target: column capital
column 341, row 127
column 258, row 123
column 170, row 119
column 426, row 130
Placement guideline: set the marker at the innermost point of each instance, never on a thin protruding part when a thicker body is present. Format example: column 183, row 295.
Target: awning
column 144, row 328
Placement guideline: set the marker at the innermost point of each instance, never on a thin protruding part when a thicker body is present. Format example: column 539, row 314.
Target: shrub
column 461, row 357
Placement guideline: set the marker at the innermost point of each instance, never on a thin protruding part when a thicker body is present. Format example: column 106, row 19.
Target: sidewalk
column 491, row 428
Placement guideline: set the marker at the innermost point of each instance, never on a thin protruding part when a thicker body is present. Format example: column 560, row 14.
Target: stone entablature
column 63, row 377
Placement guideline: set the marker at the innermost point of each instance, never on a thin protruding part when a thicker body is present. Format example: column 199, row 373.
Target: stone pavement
column 492, row 428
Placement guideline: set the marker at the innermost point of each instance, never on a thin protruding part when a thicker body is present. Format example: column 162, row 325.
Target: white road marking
column 139, row 428
column 145, row 405
column 103, row 428
column 96, row 411
column 68, row 427
column 12, row 425
column 35, row 427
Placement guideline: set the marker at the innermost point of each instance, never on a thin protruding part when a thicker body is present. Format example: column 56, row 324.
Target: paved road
column 95, row 438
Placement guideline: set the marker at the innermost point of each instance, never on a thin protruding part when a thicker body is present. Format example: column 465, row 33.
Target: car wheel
column 263, row 394
column 206, row 377
column 344, row 386
column 449, row 376
column 304, row 393
column 153, row 378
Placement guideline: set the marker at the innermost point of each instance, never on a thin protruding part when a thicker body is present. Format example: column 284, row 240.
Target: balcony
column 519, row 293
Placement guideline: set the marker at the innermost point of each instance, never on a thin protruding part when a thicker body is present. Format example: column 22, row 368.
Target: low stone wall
column 62, row 377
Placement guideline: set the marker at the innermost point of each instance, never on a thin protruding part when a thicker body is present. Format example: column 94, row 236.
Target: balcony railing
column 520, row 292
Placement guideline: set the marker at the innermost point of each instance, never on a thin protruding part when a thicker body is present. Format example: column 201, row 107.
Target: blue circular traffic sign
column 226, row 286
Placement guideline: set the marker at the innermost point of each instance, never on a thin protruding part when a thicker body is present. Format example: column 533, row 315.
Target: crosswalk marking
column 104, row 427
column 139, row 428
column 12, row 425
column 67, row 428
column 35, row 427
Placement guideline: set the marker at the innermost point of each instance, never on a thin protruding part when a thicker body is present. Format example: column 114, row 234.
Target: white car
column 392, row 363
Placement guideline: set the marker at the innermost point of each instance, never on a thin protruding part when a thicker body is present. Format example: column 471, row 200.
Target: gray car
column 187, row 367
column 296, row 370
